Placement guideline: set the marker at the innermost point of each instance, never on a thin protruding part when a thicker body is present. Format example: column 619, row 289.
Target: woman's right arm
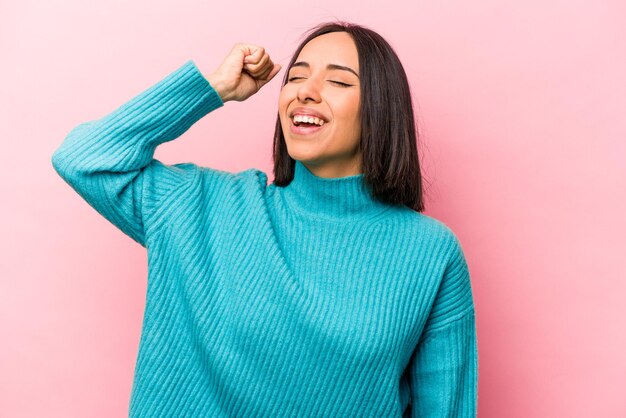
column 109, row 161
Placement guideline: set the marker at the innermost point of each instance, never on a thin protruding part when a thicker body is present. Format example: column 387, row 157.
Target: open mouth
column 301, row 126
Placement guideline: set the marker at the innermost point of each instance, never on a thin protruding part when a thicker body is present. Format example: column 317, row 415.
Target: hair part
column 388, row 143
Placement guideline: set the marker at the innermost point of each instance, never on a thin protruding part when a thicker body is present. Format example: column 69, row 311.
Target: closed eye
column 341, row 84
column 332, row 81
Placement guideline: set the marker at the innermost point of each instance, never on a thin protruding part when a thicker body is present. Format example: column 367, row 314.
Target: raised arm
column 109, row 161
column 444, row 366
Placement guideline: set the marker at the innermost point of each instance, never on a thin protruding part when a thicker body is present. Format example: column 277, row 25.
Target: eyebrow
column 328, row 67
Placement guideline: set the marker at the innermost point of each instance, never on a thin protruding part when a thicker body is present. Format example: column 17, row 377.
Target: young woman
column 326, row 293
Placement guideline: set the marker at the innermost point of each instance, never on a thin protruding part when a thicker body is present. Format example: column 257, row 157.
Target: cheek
column 285, row 95
column 351, row 113
column 356, row 112
column 283, row 102
column 348, row 107
column 356, row 120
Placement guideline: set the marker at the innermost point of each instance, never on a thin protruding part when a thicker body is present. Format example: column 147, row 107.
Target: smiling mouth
column 304, row 128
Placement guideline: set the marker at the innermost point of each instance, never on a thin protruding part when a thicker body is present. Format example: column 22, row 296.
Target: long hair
column 388, row 143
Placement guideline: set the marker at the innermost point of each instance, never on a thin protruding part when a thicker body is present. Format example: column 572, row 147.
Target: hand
column 243, row 72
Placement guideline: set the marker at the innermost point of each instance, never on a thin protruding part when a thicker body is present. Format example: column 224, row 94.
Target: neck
column 340, row 199
column 347, row 168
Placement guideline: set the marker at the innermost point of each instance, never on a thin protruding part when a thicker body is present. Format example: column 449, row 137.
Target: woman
column 325, row 293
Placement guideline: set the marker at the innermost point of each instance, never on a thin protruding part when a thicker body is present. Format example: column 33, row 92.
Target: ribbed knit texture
column 310, row 300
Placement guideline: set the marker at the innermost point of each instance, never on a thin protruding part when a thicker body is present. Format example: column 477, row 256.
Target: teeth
column 308, row 119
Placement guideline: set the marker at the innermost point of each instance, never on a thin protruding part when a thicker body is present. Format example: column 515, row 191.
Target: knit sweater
column 309, row 300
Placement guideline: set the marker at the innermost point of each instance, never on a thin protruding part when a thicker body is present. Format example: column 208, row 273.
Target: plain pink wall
column 521, row 109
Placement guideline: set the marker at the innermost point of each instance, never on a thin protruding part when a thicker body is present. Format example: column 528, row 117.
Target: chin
column 304, row 153
column 303, row 156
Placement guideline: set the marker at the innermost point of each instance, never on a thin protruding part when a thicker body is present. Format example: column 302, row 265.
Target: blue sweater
column 310, row 300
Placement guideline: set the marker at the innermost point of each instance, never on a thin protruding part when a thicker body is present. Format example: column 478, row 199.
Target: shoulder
column 249, row 176
column 434, row 225
column 448, row 242
column 426, row 231
column 209, row 181
column 247, row 184
column 453, row 298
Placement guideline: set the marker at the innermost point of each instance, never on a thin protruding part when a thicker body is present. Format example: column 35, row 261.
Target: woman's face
column 324, row 81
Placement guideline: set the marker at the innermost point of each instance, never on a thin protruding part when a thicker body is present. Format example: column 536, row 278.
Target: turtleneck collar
column 341, row 199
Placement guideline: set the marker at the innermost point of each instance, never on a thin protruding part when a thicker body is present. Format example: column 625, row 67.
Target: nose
column 308, row 89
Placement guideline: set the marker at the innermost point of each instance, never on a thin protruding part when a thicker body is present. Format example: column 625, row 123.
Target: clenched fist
column 243, row 72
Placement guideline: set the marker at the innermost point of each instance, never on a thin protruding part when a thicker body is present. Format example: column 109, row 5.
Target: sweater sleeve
column 444, row 366
column 109, row 161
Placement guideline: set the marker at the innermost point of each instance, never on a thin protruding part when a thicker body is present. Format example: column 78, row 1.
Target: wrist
column 218, row 85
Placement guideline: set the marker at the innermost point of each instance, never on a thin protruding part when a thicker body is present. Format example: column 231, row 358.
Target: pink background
column 521, row 109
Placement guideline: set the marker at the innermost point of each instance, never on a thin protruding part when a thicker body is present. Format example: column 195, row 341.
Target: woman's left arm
column 444, row 365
